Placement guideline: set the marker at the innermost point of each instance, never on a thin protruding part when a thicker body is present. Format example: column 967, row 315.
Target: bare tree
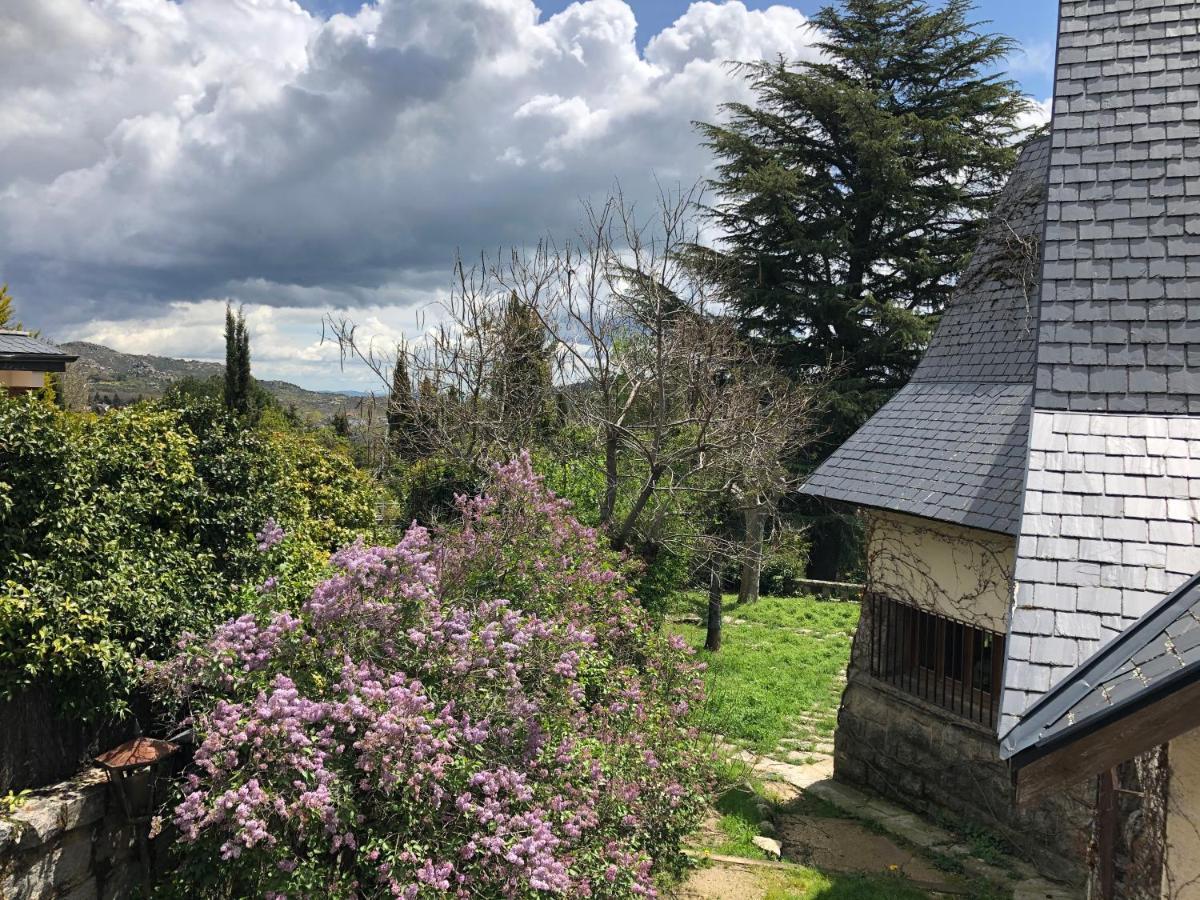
column 641, row 353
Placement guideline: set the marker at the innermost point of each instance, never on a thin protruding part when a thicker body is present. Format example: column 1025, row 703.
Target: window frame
column 934, row 657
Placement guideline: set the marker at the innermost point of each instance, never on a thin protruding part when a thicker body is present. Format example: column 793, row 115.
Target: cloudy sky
column 158, row 157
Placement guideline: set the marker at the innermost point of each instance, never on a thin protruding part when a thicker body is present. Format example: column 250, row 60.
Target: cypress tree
column 238, row 384
column 853, row 190
column 6, row 310
column 521, row 377
column 401, row 415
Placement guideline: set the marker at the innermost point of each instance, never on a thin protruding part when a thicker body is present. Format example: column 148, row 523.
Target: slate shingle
column 1118, row 372
column 15, row 344
column 951, row 444
column 1160, row 652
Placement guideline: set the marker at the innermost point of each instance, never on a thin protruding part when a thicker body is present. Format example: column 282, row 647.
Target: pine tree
column 853, row 190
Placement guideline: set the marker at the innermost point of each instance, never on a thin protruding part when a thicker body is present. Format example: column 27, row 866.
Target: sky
column 160, row 158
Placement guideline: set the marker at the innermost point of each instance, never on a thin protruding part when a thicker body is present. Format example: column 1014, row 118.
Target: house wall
column 1181, row 871
column 18, row 380
column 923, row 756
column 962, row 573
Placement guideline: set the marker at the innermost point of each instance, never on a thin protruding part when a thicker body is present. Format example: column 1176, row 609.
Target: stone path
column 816, row 779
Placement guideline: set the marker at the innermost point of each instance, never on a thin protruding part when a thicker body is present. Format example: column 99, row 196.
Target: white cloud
column 1038, row 114
column 157, row 154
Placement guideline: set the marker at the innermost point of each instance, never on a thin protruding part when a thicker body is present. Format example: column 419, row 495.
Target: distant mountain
column 125, row 377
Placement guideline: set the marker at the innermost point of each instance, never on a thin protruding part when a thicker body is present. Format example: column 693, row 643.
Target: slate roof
column 951, row 444
column 1157, row 655
column 1111, row 516
column 20, row 350
column 1120, row 327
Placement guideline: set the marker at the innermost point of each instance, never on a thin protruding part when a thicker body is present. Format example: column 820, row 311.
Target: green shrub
column 427, row 487
column 785, row 562
column 120, row 532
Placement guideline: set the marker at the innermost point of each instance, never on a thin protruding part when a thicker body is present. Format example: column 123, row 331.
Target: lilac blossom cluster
column 270, row 535
column 484, row 714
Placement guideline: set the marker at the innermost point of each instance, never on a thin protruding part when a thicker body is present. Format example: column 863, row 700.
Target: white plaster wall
column 1181, row 874
column 962, row 573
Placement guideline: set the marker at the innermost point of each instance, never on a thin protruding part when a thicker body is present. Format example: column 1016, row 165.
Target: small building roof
column 951, row 444
column 1151, row 663
column 21, row 350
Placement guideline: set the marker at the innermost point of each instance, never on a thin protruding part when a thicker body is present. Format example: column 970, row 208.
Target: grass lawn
column 783, row 660
column 810, row 884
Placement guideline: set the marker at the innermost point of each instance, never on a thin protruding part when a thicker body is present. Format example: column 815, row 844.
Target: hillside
column 123, row 377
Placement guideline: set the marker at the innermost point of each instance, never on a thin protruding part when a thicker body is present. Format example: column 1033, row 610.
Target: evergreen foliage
column 401, row 411
column 238, row 383
column 851, row 193
column 853, row 190
column 522, row 383
column 118, row 532
column 6, row 310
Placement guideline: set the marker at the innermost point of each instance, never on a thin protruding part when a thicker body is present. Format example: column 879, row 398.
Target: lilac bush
column 484, row 713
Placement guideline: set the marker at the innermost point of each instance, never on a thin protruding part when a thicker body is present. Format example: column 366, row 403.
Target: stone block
column 74, row 857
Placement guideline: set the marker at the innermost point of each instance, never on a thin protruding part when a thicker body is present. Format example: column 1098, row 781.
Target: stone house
column 1034, row 491
column 25, row 361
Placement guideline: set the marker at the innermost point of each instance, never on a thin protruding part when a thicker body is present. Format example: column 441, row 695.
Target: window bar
column 939, row 658
column 891, row 664
column 960, row 646
column 910, row 626
column 922, row 671
column 886, row 643
column 874, row 600
column 968, row 644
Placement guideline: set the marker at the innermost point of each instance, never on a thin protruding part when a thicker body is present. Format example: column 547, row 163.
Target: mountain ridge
column 117, row 377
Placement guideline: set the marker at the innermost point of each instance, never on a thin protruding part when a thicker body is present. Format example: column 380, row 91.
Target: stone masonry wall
column 926, row 759
column 69, row 841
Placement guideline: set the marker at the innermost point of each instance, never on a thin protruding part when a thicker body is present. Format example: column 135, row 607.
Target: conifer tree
column 401, row 414
column 238, row 384
column 521, row 377
column 852, row 191
column 6, row 310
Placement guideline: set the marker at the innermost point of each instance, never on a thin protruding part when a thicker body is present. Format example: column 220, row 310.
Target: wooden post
column 1106, row 811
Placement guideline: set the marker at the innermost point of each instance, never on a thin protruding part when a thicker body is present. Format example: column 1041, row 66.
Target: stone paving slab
column 817, row 779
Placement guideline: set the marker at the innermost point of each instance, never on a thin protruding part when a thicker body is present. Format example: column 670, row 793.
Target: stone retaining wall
column 935, row 763
column 70, row 840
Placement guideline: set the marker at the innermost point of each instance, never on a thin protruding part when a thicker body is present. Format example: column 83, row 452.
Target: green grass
column 739, row 823
column 785, row 659
column 809, row 884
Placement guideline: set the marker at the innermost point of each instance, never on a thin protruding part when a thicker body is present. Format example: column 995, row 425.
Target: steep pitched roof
column 951, row 444
column 18, row 349
column 1137, row 693
column 1112, row 504
column 1158, row 653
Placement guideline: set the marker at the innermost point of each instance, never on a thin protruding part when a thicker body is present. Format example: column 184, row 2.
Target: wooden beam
column 1107, row 838
column 1141, row 730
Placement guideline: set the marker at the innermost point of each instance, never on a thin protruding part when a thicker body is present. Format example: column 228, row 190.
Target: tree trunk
column 752, row 555
column 609, row 501
column 621, row 537
column 712, row 640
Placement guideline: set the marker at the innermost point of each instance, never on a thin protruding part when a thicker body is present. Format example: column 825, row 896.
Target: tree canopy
column 852, row 191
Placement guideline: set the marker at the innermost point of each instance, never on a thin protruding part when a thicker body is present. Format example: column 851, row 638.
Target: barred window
column 948, row 663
